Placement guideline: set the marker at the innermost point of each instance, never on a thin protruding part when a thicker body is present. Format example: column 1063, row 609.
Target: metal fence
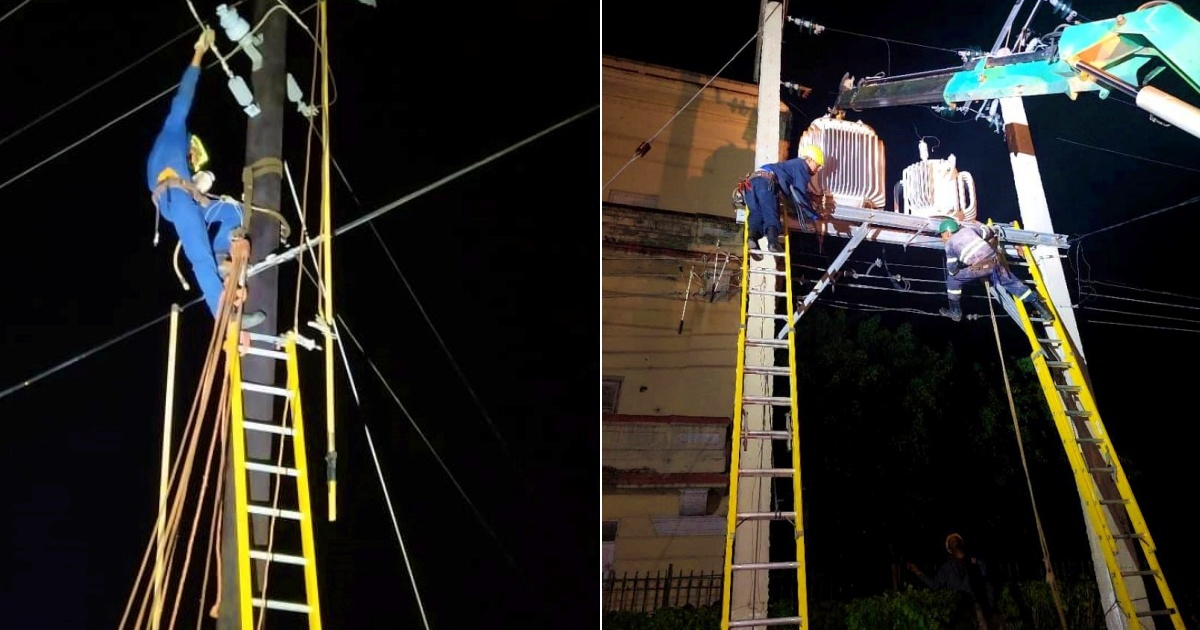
column 650, row 591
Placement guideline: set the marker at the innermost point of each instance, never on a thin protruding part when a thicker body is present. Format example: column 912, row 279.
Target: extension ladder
column 1108, row 499
column 281, row 349
column 757, row 326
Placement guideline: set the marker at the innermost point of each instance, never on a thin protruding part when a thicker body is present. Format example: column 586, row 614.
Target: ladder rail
column 736, row 438
column 238, row 444
column 300, row 454
column 1069, row 432
column 797, row 486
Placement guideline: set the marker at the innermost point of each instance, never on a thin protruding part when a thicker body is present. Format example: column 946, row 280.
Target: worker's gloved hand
column 206, row 40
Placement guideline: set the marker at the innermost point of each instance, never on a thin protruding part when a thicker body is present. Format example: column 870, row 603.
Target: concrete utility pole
column 264, row 139
column 748, row 591
column 1035, row 215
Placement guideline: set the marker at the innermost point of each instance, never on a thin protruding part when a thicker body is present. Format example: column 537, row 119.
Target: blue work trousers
column 999, row 275
column 762, row 207
column 192, row 226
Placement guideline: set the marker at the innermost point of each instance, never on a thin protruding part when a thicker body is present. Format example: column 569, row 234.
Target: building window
column 693, row 502
column 608, row 538
column 610, row 392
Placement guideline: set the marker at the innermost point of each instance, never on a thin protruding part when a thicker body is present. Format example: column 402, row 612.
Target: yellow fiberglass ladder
column 1129, row 551
column 754, row 435
column 301, row 552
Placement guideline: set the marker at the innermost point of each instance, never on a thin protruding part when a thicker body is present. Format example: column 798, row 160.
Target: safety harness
column 249, row 174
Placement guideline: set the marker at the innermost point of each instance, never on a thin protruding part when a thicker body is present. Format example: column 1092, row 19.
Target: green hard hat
column 948, row 225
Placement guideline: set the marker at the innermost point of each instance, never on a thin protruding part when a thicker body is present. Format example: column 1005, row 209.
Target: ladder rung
column 282, row 558
column 763, row 341
column 1107, row 469
column 270, row 511
column 266, row 389
column 1137, row 573
column 1078, row 413
column 780, row 370
column 1058, row 364
column 272, row 469
column 767, row 516
column 766, row 435
column 765, row 472
column 777, row 401
column 1166, row 612
column 765, row 292
column 267, row 427
column 1128, row 536
column 770, row 621
column 1050, row 342
column 768, row 272
column 1113, row 501
column 263, row 352
column 767, row 316
column 769, row 253
column 766, row 566
column 1090, row 440
column 274, row 604
column 1068, row 388
column 273, row 339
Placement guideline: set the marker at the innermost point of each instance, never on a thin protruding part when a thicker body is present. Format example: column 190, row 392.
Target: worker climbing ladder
column 757, row 366
column 237, row 344
column 1108, row 500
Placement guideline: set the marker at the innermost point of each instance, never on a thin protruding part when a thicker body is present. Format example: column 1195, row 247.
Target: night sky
column 1102, row 163
column 492, row 257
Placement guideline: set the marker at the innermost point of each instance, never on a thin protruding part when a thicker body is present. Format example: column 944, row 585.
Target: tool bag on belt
column 743, row 186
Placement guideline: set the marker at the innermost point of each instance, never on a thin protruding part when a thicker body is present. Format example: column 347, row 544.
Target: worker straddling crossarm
column 761, row 188
column 970, row 255
column 178, row 188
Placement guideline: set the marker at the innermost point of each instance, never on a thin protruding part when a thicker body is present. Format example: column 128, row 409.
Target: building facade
column 670, row 279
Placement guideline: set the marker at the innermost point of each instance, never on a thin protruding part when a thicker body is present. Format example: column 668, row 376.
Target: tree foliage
column 904, row 440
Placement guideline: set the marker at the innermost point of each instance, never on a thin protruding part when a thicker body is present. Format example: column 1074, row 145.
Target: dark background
column 1102, row 162
column 420, row 94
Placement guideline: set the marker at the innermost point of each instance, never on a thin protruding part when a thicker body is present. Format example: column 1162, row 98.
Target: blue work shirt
column 173, row 142
column 968, row 246
column 793, row 173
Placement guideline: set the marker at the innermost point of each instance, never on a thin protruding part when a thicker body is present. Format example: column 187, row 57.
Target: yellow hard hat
column 198, row 154
column 813, row 151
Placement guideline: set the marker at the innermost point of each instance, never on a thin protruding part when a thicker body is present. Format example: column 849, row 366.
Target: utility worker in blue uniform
column 971, row 256
column 761, row 188
column 180, row 197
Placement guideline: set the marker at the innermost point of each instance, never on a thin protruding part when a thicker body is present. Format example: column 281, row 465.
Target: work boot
column 252, row 319
column 1042, row 310
column 755, row 252
column 954, row 312
column 773, row 240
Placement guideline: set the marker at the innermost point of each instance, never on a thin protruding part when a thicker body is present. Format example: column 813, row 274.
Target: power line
column 83, row 355
column 103, row 81
column 103, row 127
column 644, row 147
column 1138, row 218
column 14, row 10
column 1133, row 288
column 417, row 428
column 446, row 349
column 275, row 260
column 278, row 259
column 1130, row 155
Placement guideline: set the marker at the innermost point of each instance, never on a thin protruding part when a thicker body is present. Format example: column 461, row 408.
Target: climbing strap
column 1012, row 407
column 263, row 166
